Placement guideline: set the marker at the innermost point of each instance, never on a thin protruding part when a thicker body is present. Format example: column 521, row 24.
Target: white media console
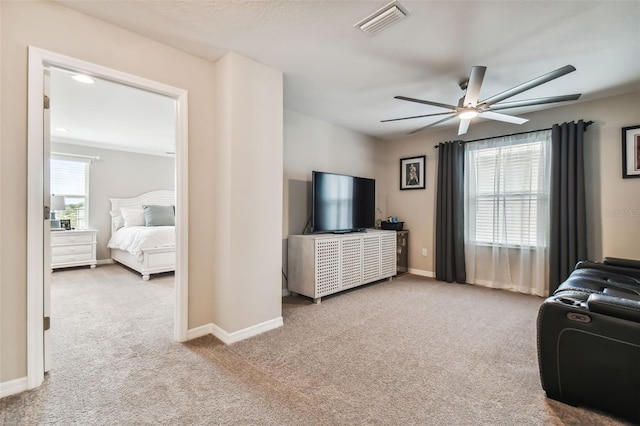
column 323, row 264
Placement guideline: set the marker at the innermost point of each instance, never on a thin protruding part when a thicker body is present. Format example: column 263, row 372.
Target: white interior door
column 47, row 224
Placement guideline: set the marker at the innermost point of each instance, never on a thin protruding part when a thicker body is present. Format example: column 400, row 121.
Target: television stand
column 323, row 264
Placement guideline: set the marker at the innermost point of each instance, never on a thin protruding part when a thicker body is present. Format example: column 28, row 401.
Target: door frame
column 39, row 60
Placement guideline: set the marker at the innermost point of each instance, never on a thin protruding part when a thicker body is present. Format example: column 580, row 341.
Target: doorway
column 38, row 202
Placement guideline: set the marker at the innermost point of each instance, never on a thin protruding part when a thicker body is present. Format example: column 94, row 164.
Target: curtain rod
column 586, row 124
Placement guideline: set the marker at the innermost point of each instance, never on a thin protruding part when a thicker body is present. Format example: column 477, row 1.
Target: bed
column 143, row 232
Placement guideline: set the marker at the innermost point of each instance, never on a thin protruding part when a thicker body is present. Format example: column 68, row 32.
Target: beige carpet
column 412, row 351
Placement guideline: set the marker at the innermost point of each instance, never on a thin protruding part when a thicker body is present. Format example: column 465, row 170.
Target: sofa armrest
column 614, row 307
column 625, row 263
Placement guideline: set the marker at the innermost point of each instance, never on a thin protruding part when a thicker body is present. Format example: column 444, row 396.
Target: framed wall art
column 412, row 172
column 631, row 152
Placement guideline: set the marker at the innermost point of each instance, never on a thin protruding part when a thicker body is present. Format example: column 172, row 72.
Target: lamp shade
column 58, row 202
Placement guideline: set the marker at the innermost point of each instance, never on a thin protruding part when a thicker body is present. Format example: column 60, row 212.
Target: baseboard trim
column 421, row 272
column 203, row 330
column 13, row 387
column 229, row 338
column 254, row 330
column 285, row 292
column 105, row 261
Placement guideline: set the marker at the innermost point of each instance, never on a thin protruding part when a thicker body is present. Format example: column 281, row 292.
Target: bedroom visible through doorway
column 43, row 140
column 108, row 141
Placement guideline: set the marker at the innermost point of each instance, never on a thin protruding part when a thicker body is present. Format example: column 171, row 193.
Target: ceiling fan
column 469, row 107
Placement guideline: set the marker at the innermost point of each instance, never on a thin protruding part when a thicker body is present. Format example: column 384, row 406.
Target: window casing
column 69, row 177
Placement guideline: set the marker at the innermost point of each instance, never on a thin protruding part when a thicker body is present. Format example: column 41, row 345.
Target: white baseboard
column 105, row 261
column 421, row 273
column 285, row 292
column 254, row 330
column 203, row 330
column 229, row 338
column 13, row 387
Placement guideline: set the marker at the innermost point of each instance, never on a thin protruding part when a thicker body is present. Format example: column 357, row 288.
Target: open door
column 46, row 124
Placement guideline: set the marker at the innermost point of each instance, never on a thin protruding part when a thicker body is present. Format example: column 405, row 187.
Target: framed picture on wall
column 631, row 152
column 412, row 172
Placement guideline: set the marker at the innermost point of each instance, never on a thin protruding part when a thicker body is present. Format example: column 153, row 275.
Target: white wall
column 247, row 214
column 311, row 144
column 118, row 174
column 613, row 202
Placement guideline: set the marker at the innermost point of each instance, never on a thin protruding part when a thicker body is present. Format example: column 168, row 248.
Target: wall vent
column 383, row 18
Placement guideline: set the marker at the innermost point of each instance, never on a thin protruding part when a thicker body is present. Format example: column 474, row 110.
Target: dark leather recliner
column 589, row 338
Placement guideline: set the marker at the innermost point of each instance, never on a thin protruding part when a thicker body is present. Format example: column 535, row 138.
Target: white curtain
column 507, row 183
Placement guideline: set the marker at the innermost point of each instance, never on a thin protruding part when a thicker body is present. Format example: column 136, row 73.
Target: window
column 507, row 192
column 70, row 178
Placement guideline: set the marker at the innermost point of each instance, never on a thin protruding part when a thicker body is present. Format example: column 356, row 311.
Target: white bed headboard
column 162, row 197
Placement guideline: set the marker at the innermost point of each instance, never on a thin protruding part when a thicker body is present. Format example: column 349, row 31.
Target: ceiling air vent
column 382, row 18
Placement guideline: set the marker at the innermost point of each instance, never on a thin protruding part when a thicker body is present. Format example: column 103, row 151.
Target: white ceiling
column 334, row 72
column 110, row 115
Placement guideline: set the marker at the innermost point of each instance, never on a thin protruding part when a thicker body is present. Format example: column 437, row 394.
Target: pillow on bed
column 133, row 217
column 159, row 215
column 118, row 220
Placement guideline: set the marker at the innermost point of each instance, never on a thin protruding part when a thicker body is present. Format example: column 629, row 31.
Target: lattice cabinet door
column 320, row 265
column 351, row 258
column 327, row 266
column 388, row 261
column 371, row 258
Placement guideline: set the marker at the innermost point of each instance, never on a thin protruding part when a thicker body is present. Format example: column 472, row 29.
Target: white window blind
column 508, row 193
column 70, row 178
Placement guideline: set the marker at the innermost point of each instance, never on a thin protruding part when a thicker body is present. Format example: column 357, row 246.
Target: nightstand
column 73, row 248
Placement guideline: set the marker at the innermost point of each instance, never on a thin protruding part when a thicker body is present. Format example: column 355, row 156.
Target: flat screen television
column 342, row 203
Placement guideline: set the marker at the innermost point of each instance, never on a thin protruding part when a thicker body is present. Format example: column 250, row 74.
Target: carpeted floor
column 412, row 351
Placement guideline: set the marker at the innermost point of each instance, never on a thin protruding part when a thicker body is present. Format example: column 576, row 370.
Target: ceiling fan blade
column 529, row 85
column 473, row 86
column 503, row 117
column 416, row 116
column 420, row 101
column 538, row 101
column 432, row 124
column 464, row 126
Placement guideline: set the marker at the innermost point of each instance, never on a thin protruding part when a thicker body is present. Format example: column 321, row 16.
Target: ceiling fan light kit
column 467, row 113
column 469, row 107
column 382, row 18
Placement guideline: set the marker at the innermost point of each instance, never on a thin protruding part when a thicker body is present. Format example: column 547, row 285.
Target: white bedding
column 136, row 238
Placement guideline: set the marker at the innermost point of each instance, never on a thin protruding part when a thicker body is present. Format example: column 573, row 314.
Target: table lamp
column 57, row 203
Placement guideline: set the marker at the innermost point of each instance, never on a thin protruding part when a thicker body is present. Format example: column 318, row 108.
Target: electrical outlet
column 424, row 251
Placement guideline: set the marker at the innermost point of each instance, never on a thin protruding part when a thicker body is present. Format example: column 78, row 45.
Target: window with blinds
column 70, row 178
column 508, row 194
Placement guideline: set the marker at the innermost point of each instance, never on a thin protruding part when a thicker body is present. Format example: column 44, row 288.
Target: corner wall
column 247, row 213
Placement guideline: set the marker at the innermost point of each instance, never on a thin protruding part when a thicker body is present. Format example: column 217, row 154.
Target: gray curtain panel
column 568, row 233
column 449, row 253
